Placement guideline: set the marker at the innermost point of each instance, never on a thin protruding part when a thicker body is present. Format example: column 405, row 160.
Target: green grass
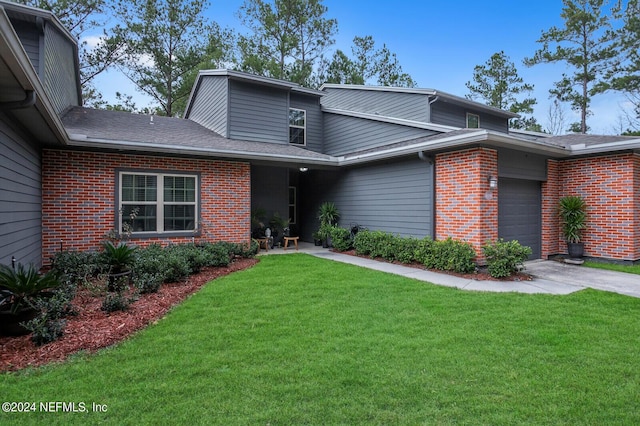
column 630, row 269
column 301, row 340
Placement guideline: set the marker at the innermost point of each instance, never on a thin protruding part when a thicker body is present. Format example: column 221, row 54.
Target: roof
column 93, row 128
column 435, row 94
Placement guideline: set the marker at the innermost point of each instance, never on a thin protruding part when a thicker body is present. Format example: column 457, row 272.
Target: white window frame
column 159, row 203
column 469, row 114
column 304, row 128
column 294, row 190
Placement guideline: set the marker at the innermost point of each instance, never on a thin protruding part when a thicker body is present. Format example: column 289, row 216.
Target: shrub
column 77, row 265
column 148, row 282
column 405, row 249
column 177, row 264
column 341, row 238
column 505, row 257
column 422, row 249
column 45, row 330
column 151, row 260
column 219, row 254
column 115, row 302
column 451, row 255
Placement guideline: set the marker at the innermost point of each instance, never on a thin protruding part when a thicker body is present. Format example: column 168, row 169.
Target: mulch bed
column 92, row 329
column 480, row 275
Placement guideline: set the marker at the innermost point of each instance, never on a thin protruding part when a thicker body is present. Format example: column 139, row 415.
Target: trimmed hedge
column 505, row 257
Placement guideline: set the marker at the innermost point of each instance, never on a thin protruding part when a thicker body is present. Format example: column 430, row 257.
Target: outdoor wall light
column 304, row 169
column 493, row 182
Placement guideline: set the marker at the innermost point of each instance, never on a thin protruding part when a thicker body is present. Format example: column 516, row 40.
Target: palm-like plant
column 18, row 287
column 573, row 217
column 328, row 213
column 118, row 257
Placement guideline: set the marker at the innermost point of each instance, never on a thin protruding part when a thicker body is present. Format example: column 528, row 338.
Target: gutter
column 582, row 149
column 28, row 101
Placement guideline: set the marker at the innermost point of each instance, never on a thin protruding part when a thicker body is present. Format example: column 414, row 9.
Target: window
column 297, row 126
column 473, row 121
column 292, row 205
column 157, row 202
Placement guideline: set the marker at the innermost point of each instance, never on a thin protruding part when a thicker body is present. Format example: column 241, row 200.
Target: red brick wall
column 610, row 186
column 466, row 209
column 79, row 198
column 550, row 222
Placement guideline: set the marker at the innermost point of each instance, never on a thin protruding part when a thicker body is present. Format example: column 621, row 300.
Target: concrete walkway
column 550, row 277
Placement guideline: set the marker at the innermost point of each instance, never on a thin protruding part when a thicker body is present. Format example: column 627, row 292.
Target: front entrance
column 520, row 213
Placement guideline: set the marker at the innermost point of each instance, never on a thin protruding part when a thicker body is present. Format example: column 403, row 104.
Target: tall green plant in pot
column 573, row 217
column 328, row 215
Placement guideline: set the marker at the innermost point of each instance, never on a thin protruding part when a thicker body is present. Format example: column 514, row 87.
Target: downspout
column 29, row 100
column 432, row 195
column 431, row 101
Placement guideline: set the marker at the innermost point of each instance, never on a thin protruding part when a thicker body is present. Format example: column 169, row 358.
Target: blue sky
column 439, row 42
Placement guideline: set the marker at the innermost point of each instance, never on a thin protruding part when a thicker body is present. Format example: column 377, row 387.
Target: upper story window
column 297, row 126
column 158, row 202
column 473, row 121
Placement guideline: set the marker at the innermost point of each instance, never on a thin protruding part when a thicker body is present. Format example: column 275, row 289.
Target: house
column 415, row 162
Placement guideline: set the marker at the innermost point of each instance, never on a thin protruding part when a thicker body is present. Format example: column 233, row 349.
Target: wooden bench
column 263, row 242
column 287, row 239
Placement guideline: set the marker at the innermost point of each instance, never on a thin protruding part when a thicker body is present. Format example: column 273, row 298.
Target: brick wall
column 610, row 185
column 79, row 198
column 550, row 220
column 466, row 209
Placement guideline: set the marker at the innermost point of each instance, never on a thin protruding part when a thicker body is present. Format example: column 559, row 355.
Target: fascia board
column 603, row 148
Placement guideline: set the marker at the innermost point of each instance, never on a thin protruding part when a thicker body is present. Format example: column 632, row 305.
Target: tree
column 80, row 17
column 556, row 118
column 585, row 44
column 289, row 36
column 164, row 44
column 367, row 65
column 625, row 76
column 498, row 84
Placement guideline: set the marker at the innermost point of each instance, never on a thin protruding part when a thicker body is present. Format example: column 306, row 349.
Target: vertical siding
column 455, row 115
column 394, row 197
column 20, row 198
column 59, row 70
column 258, row 113
column 345, row 134
column 409, row 106
column 270, row 190
column 30, row 38
column 311, row 104
column 210, row 104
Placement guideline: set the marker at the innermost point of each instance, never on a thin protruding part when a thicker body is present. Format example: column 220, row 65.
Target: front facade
column 414, row 162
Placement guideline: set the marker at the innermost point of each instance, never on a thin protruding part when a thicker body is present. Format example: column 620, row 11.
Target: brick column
column 550, row 223
column 466, row 209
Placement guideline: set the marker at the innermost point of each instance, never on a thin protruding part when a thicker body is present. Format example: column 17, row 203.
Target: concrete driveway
column 583, row 277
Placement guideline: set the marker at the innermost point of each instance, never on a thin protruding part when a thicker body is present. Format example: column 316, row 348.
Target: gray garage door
column 520, row 213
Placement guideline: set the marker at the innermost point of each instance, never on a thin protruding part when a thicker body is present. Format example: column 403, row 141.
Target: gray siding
column 521, row 165
column 344, row 134
column 456, row 116
column 409, row 106
column 258, row 113
column 311, row 104
column 210, row 104
column 59, row 70
column 30, row 39
column 20, row 198
column 395, row 197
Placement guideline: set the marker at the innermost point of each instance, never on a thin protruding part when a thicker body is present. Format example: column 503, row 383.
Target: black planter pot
column 10, row 323
column 576, row 250
column 317, row 242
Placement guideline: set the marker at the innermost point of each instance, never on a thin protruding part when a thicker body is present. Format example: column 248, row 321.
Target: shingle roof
column 86, row 125
column 567, row 141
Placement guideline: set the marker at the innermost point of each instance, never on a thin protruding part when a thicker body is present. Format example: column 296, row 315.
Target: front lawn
column 302, row 340
column 630, row 269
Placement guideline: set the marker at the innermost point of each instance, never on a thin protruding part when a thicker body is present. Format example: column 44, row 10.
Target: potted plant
column 328, row 215
column 573, row 217
column 119, row 258
column 18, row 290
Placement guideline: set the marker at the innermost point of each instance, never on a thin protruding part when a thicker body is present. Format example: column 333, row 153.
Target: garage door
column 520, row 213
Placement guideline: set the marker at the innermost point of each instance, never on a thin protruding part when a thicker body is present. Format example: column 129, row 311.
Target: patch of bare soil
column 480, row 275
column 92, row 329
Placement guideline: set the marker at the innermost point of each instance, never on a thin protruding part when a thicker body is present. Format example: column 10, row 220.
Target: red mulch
column 480, row 275
column 93, row 329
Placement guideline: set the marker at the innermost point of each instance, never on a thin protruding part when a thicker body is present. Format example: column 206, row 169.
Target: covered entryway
column 520, row 213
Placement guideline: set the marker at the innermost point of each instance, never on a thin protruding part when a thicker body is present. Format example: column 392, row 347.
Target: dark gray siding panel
column 59, row 70
column 520, row 213
column 345, row 134
column 521, row 165
column 210, row 104
column 30, row 39
column 409, row 106
column 20, row 199
column 258, row 113
column 394, row 197
column 456, row 116
column 311, row 104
